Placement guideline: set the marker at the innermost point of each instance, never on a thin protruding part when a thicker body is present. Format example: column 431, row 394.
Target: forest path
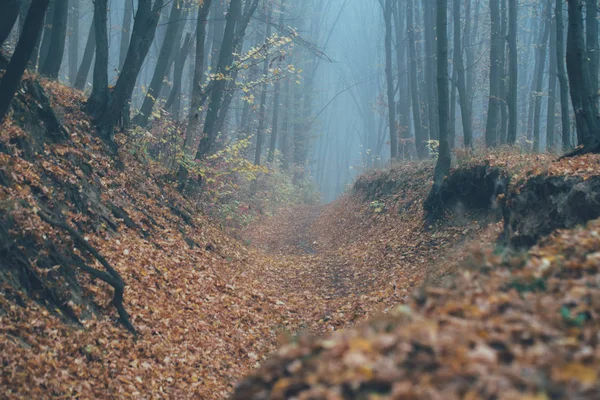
column 293, row 247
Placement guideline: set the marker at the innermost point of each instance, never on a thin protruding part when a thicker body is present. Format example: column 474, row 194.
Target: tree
column 442, row 166
column 580, row 82
column 262, row 114
column 552, row 72
column 8, row 17
column 173, row 35
column 387, row 7
column 53, row 60
column 276, row 99
column 199, row 63
column 174, row 101
column 491, row 129
column 562, row 77
column 18, row 62
column 591, row 43
column 109, row 109
column 226, row 55
column 459, row 67
column 540, row 62
column 88, row 57
column 125, row 32
column 420, row 136
column 73, row 41
column 513, row 71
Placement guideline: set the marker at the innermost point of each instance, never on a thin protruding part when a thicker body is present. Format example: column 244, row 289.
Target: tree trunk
column 562, row 77
column 513, row 74
column 199, row 63
column 591, row 43
column 582, row 95
column 18, row 62
column 225, row 61
column 550, row 137
column 387, row 16
column 403, row 83
column 420, row 137
column 285, row 126
column 144, row 30
column 47, row 33
column 276, row 98
column 174, row 102
column 125, row 32
column 53, row 61
column 262, row 114
column 98, row 100
column 88, row 57
column 540, row 63
column 459, row 66
column 8, row 17
column 430, row 67
column 502, row 134
column 173, row 35
column 73, row 41
column 491, row 129
column 442, row 167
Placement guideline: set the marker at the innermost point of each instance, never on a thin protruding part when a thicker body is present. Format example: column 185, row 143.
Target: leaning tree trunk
column 18, row 62
column 173, row 35
column 88, row 57
column 53, row 60
column 8, row 17
column 562, row 77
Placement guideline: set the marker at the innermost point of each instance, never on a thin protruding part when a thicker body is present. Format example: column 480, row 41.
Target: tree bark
column 491, row 129
column 540, row 62
column 262, row 114
column 465, row 105
column 98, row 100
column 562, row 77
column 550, row 137
column 195, row 101
column 47, row 33
column 144, row 30
column 420, row 137
column 591, row 43
column 173, row 35
column 386, row 5
column 88, row 57
column 18, row 62
column 8, row 17
column 513, row 71
column 174, row 102
column 276, row 99
column 582, row 95
column 442, row 167
column 125, row 32
column 430, row 67
column 53, row 60
column 73, row 41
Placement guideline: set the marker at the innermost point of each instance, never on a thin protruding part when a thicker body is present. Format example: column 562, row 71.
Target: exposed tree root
column 110, row 276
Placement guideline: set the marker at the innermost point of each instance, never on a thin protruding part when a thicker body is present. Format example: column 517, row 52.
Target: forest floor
column 209, row 309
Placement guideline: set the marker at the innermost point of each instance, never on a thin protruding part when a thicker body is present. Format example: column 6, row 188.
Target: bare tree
column 18, row 62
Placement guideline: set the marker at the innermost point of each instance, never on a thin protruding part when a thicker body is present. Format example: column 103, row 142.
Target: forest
column 316, row 199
